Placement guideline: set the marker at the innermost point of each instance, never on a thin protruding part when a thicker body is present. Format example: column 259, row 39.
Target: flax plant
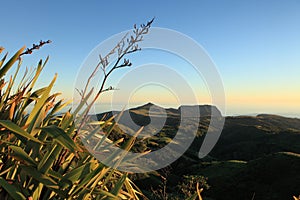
column 41, row 155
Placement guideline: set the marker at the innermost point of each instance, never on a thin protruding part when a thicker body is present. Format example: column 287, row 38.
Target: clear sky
column 254, row 44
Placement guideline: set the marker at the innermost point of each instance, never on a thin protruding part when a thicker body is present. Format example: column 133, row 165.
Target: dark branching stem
column 127, row 45
column 35, row 47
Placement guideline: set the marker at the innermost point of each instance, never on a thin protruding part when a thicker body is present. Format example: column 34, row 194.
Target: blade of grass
column 9, row 64
column 89, row 177
column 17, row 130
column 49, row 158
column 11, row 190
column 75, row 175
column 21, row 154
column 3, row 59
column 60, row 137
column 119, row 184
column 40, row 177
column 38, row 72
column 41, row 102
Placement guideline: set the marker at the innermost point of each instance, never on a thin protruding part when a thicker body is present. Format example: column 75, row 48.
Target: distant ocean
column 105, row 107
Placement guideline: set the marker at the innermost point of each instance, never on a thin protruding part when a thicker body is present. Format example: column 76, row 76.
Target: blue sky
column 254, row 44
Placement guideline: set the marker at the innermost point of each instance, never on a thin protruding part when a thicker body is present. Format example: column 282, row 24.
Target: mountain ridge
column 203, row 106
column 205, row 110
column 255, row 154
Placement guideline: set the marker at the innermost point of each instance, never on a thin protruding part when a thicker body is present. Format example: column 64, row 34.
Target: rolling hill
column 256, row 156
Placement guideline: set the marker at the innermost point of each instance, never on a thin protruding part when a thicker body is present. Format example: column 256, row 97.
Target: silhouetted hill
column 205, row 110
column 242, row 138
column 143, row 111
column 254, row 156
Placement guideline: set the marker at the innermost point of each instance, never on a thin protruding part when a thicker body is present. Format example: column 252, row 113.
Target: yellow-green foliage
column 40, row 157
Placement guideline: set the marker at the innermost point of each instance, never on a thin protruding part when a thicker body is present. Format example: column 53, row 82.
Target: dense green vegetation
column 40, row 155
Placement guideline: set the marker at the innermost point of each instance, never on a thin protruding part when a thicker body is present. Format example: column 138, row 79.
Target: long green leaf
column 132, row 189
column 66, row 120
column 45, row 180
column 40, row 177
column 3, row 59
column 55, row 174
column 21, row 154
column 57, row 107
column 37, row 193
column 49, row 159
column 11, row 190
column 75, row 175
column 38, row 72
column 89, row 177
column 17, row 130
column 28, row 100
column 119, row 184
column 10, row 63
column 41, row 102
column 16, row 73
column 118, row 155
column 60, row 137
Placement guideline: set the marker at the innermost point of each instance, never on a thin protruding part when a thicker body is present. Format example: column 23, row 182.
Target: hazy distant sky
column 254, row 44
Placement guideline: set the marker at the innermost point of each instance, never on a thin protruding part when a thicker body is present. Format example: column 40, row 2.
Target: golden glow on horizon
column 280, row 97
column 269, row 102
column 236, row 102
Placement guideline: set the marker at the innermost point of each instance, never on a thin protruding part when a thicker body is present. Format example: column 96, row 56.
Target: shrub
column 191, row 184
